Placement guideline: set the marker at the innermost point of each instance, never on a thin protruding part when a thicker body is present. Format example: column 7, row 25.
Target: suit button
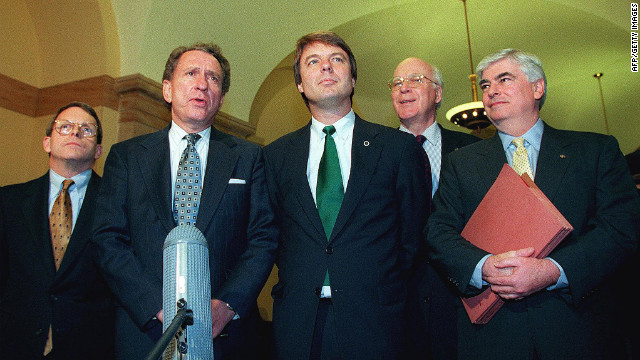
column 54, row 298
column 329, row 250
column 39, row 331
column 426, row 300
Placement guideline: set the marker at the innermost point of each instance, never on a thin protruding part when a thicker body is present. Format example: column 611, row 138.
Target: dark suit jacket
column 585, row 177
column 75, row 299
column 136, row 216
column 368, row 254
column 432, row 311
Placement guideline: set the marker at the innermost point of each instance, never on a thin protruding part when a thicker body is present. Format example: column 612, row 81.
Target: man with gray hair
column 562, row 306
column 141, row 201
column 417, row 92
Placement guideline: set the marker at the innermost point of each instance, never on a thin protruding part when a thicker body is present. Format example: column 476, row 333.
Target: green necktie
column 329, row 189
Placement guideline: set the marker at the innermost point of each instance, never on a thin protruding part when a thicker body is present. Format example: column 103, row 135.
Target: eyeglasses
column 65, row 127
column 412, row 81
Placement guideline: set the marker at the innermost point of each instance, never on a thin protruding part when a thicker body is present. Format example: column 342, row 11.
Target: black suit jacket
column 136, row 216
column 432, row 302
column 75, row 299
column 369, row 253
column 585, row 177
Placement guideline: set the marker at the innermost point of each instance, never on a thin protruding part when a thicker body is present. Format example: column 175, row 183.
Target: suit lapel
column 491, row 160
column 35, row 211
column 553, row 160
column 297, row 163
column 155, row 167
column 221, row 162
column 81, row 231
column 365, row 152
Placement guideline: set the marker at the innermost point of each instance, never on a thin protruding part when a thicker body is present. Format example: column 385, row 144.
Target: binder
column 514, row 214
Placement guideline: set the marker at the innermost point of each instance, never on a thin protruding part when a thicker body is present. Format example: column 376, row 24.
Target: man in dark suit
column 350, row 208
column 563, row 306
column 54, row 303
column 417, row 93
column 234, row 214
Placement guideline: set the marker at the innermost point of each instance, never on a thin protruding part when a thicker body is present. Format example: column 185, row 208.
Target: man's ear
column 538, row 88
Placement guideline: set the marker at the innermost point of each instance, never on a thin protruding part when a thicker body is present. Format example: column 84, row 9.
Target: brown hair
column 324, row 37
column 209, row 48
column 87, row 108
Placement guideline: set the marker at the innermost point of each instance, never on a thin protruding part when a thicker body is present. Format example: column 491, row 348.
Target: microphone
column 186, row 278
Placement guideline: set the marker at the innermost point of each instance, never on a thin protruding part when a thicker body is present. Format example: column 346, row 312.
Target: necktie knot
column 518, row 142
column 329, row 130
column 192, row 139
column 66, row 184
column 421, row 139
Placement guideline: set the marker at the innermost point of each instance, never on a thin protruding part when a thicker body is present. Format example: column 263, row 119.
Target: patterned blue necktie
column 188, row 184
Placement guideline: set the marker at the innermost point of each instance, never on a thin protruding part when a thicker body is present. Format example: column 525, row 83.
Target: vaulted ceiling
column 573, row 39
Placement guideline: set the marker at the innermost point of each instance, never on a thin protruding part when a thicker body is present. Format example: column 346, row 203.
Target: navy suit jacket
column 585, row 177
column 136, row 216
column 433, row 320
column 369, row 253
column 75, row 300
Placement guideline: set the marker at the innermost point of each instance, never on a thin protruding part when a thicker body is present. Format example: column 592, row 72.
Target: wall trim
column 137, row 98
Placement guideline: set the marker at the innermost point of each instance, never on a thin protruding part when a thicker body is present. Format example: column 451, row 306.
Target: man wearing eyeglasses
column 54, row 304
column 417, row 93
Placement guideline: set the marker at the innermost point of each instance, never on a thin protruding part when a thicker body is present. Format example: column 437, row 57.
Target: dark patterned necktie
column 427, row 164
column 188, row 184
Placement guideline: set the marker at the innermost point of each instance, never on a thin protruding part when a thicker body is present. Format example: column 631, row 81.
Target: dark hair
column 87, row 108
column 209, row 48
column 324, row 37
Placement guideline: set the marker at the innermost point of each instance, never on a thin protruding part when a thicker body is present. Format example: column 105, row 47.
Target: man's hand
column 220, row 316
column 515, row 274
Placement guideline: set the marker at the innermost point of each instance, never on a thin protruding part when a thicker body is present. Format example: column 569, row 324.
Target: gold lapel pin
column 366, row 143
column 563, row 156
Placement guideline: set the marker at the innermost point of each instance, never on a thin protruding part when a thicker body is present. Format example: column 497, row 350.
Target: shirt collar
column 344, row 126
column 533, row 136
column 176, row 133
column 432, row 133
column 79, row 181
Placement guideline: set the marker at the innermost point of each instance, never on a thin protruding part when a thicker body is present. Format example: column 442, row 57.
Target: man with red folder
column 561, row 306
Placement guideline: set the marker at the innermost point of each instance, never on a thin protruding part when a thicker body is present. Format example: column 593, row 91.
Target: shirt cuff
column 562, row 282
column 476, row 277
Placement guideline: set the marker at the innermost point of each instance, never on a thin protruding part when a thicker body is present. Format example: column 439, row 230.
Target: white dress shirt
column 343, row 138
column 433, row 147
column 177, row 144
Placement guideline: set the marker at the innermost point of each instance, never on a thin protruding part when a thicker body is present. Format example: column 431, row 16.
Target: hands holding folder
column 516, row 274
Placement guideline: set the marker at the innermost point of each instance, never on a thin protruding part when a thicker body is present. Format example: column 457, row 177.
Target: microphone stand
column 183, row 318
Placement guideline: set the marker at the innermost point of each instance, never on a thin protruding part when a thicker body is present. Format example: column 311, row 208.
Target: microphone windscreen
column 186, row 276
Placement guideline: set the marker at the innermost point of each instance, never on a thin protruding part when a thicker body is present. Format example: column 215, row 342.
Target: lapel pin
column 366, row 143
column 563, row 156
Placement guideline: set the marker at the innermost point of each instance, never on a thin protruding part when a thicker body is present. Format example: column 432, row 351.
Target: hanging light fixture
column 470, row 115
column 604, row 111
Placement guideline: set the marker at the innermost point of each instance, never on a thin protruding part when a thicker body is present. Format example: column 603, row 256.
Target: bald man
column 416, row 92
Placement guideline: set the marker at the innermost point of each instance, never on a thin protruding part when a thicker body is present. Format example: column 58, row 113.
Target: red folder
column 514, row 214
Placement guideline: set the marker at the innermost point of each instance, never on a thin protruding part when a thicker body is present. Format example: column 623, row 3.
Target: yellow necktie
column 521, row 158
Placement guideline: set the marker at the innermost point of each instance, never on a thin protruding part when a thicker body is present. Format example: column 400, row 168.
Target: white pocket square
column 237, row 181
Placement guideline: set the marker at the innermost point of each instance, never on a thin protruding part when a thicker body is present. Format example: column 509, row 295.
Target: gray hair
column 530, row 65
column 437, row 79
